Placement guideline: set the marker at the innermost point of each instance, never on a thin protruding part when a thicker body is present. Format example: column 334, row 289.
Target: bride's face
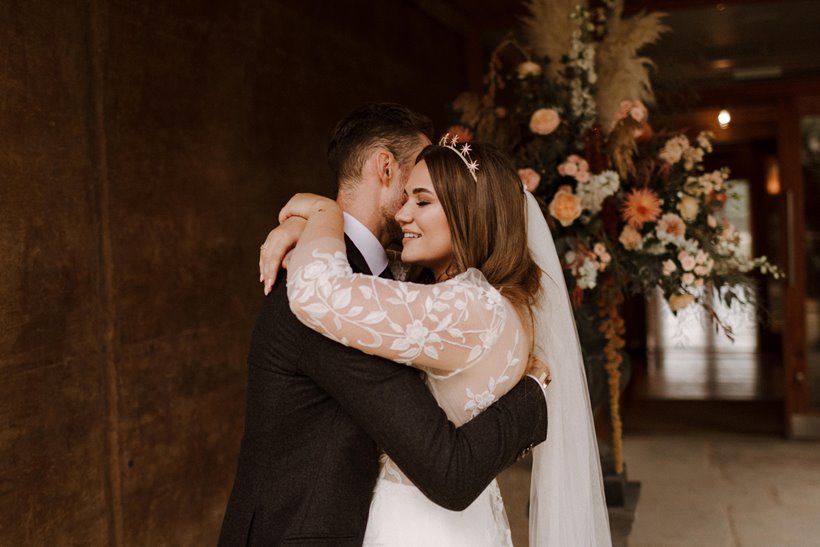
column 426, row 237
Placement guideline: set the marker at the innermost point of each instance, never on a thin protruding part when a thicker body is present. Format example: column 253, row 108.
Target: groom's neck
column 364, row 208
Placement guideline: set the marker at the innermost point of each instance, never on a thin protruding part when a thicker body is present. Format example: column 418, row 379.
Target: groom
column 319, row 413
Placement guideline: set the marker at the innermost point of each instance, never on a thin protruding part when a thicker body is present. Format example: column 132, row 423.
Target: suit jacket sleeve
column 450, row 465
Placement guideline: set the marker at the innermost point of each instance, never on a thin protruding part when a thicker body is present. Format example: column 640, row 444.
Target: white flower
column 705, row 140
column 674, row 148
column 596, row 189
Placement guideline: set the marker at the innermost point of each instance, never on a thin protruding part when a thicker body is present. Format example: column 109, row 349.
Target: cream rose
column 530, row 178
column 565, row 206
column 544, row 121
column 688, row 207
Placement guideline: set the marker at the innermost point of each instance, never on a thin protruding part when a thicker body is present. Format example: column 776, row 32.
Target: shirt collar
column 367, row 243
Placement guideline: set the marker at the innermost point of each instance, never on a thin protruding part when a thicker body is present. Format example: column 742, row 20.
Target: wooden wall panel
column 146, row 149
column 52, row 404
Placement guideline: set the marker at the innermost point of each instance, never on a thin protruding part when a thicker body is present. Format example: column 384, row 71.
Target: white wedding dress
column 462, row 333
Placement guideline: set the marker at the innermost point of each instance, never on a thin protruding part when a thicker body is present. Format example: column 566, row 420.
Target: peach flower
column 544, row 121
column 528, row 68
column 671, row 224
column 565, row 206
column 630, row 238
column 669, row 267
column 530, row 178
column 679, row 301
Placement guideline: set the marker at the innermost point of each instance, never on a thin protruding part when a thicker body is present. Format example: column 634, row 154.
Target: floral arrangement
column 631, row 210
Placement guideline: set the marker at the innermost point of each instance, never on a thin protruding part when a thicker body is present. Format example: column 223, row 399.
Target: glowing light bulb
column 724, row 118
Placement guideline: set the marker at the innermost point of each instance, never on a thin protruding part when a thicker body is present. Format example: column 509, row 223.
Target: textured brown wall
column 145, row 147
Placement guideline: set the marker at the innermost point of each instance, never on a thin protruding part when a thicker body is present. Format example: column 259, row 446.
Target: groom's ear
column 386, row 166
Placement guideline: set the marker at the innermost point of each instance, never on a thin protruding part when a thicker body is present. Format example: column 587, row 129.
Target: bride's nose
column 403, row 215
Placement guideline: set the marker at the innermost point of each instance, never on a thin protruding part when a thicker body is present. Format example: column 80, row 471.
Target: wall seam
column 97, row 26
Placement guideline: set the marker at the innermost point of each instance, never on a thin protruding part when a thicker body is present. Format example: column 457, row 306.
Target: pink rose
column 530, row 178
column 688, row 278
column 634, row 109
column 582, row 176
column 669, row 267
column 568, row 169
column 687, row 261
column 544, row 121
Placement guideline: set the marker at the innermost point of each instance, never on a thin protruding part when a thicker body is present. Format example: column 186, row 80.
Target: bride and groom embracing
column 379, row 411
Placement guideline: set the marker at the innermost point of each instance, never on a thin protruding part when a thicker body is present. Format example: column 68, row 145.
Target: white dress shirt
column 367, row 243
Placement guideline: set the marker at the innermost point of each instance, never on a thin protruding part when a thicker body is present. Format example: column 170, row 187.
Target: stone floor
column 709, row 490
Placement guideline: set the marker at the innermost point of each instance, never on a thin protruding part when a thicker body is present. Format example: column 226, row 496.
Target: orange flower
column 642, row 205
column 565, row 206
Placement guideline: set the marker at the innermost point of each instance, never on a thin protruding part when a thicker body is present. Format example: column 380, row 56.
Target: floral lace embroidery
column 504, row 535
column 405, row 322
column 478, row 402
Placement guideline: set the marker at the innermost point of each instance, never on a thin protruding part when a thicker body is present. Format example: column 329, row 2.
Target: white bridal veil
column 567, row 506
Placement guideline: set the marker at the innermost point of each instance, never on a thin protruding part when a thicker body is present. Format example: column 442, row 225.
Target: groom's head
column 371, row 153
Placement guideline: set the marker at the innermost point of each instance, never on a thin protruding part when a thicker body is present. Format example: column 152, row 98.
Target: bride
column 490, row 294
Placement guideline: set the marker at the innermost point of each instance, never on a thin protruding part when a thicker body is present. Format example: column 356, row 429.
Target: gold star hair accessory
column 463, row 152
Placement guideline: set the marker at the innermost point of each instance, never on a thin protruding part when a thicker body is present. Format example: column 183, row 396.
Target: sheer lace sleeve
column 445, row 326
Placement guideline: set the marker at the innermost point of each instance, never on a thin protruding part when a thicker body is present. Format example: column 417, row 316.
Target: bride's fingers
column 273, row 260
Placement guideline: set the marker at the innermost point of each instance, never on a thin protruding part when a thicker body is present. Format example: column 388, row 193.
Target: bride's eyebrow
column 417, row 191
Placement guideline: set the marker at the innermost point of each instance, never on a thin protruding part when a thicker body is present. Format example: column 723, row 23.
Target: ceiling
column 711, row 43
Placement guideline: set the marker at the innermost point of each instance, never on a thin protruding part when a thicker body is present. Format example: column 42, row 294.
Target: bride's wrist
column 325, row 206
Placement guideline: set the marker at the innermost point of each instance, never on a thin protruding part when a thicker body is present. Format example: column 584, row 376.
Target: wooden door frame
column 802, row 421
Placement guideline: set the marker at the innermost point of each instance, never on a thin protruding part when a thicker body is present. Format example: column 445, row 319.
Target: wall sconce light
column 772, row 176
column 724, row 118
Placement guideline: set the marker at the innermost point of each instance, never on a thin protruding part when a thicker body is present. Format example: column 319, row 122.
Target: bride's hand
column 539, row 369
column 303, row 205
column 274, row 252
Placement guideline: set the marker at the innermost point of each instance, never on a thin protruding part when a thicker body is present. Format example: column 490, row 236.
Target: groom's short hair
column 390, row 125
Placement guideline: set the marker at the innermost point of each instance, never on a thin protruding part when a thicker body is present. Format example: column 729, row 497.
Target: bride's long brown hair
column 487, row 218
